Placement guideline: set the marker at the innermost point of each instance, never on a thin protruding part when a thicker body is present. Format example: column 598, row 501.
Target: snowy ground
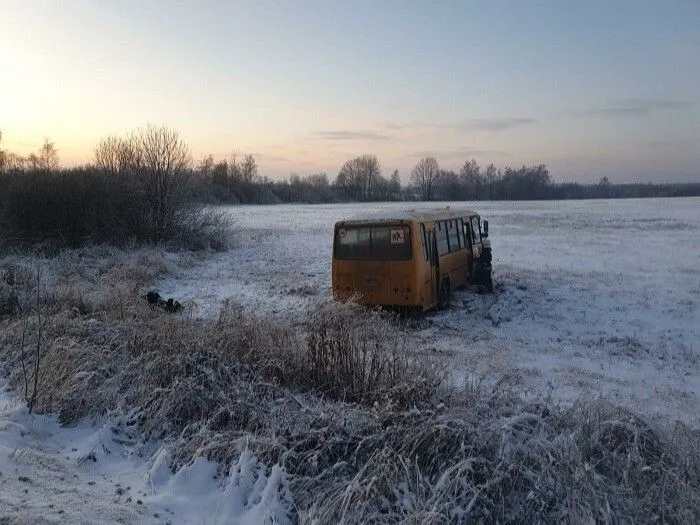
column 592, row 297
column 92, row 473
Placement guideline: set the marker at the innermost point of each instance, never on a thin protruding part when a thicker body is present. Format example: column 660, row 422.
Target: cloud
column 348, row 135
column 492, row 124
column 395, row 127
column 459, row 153
column 474, row 124
column 265, row 157
column 634, row 108
column 670, row 143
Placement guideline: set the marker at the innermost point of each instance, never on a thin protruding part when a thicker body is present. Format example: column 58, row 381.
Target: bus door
column 476, row 237
column 467, row 233
column 473, row 235
column 434, row 263
column 430, row 278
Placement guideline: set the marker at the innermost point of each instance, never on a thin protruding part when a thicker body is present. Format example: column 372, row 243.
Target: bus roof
column 418, row 214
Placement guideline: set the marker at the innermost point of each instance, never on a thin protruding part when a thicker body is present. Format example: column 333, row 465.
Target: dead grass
column 592, row 463
column 360, row 423
column 360, row 355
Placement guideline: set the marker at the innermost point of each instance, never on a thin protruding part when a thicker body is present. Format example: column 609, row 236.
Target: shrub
column 82, row 206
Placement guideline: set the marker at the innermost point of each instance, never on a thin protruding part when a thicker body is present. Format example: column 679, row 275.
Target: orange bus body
column 410, row 259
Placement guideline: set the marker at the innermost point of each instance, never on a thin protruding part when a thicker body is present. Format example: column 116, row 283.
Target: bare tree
column 15, row 162
column 318, row 180
column 10, row 161
column 206, row 166
column 357, row 177
column 117, row 155
column 448, row 186
column 491, row 179
column 106, row 157
column 424, row 177
column 235, row 172
column 470, row 177
column 33, row 161
column 3, row 156
column 395, row 186
column 155, row 162
column 219, row 174
column 249, row 168
column 163, row 161
column 604, row 188
column 48, row 156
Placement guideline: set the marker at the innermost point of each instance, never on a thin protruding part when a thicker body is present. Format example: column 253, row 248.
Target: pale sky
column 591, row 88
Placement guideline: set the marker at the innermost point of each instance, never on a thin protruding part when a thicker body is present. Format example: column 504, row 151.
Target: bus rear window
column 379, row 243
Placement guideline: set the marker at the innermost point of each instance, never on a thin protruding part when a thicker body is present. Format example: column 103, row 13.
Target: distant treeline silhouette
column 144, row 188
column 360, row 180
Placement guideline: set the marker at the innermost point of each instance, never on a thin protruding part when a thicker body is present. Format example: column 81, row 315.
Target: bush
column 77, row 207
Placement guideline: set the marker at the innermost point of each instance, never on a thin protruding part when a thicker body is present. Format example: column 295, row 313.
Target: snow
column 86, row 474
column 593, row 298
column 408, row 213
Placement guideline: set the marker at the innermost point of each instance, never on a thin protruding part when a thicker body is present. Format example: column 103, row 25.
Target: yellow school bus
column 411, row 259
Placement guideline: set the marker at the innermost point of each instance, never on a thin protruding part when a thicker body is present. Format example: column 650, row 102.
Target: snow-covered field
column 593, row 298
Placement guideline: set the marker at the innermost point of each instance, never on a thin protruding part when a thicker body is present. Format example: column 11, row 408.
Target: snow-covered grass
column 487, row 457
column 229, row 412
column 593, row 298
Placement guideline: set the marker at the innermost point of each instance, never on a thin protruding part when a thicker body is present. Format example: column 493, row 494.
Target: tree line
column 360, row 179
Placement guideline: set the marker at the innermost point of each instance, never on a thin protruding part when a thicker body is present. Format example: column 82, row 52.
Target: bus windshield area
column 377, row 243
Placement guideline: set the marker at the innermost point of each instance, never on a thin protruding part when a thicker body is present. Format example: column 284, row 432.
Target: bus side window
column 475, row 230
column 441, row 234
column 426, row 248
column 453, row 235
column 460, row 233
column 467, row 234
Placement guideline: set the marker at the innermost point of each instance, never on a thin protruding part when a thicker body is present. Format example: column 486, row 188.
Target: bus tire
column 482, row 277
column 488, row 280
column 475, row 274
column 444, row 294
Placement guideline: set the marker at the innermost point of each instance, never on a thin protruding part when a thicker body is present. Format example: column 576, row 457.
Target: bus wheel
column 488, row 280
column 444, row 294
column 481, row 277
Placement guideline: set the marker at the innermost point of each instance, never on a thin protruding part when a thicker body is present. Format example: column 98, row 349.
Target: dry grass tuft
column 359, row 355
